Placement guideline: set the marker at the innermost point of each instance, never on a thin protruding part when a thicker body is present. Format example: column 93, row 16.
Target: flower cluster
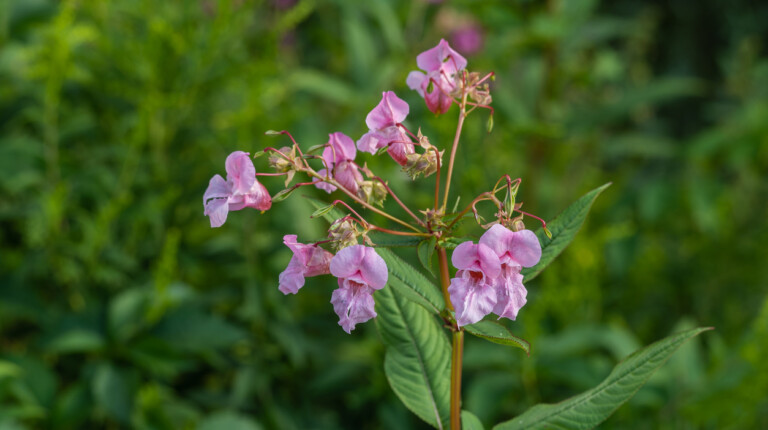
column 489, row 279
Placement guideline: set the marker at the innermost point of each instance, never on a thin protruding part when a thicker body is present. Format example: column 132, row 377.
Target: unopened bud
column 343, row 233
column 282, row 163
column 373, row 192
column 518, row 225
column 417, row 164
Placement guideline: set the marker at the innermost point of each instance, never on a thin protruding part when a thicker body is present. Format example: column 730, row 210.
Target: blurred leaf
column 193, row 330
column 228, row 421
column 418, row 357
column 76, row 340
column 590, row 408
column 470, row 422
column 564, row 229
column 324, row 86
column 113, row 391
column 411, row 283
column 381, row 239
column 497, row 333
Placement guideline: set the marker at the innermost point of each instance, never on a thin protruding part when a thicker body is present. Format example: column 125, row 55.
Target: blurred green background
column 121, row 308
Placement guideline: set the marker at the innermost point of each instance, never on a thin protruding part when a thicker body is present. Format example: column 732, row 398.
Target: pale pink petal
column 471, row 300
column 433, row 59
column 525, row 248
column 340, row 148
column 258, row 197
column 415, row 80
column 510, row 296
column 370, row 142
column 399, row 150
column 353, row 305
column 319, row 261
column 289, row 240
column 240, row 171
column 217, row 188
column 464, row 256
column 522, row 247
column 347, row 174
column 216, row 210
column 346, row 262
column 325, row 186
column 489, row 261
column 292, row 278
column 374, row 269
column 390, row 111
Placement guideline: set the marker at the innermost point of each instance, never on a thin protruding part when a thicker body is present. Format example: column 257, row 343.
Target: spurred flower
column 442, row 66
column 360, row 271
column 515, row 249
column 307, row 260
column 384, row 131
column 240, row 190
column 339, row 156
column 472, row 291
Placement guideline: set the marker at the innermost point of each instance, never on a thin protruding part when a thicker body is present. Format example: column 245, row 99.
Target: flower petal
column 348, row 176
column 340, row 148
column 292, row 278
column 471, row 300
column 217, row 188
column 346, row 262
column 325, row 186
column 525, row 248
column 353, row 305
column 216, row 210
column 433, row 59
column 510, row 296
column 240, row 171
column 374, row 269
column 390, row 111
column 415, row 80
column 258, row 197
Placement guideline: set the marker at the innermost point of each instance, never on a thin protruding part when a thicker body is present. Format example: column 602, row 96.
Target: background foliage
column 121, row 308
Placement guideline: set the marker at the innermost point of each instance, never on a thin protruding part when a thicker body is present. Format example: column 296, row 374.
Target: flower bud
column 343, row 233
column 373, row 192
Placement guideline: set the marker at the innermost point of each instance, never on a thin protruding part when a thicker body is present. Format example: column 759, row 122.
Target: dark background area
column 121, row 308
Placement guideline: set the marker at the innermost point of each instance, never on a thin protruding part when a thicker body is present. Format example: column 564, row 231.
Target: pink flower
column 307, row 260
column 360, row 271
column 472, row 291
column 339, row 156
column 442, row 65
column 468, row 39
column 240, row 190
column 384, row 131
column 515, row 250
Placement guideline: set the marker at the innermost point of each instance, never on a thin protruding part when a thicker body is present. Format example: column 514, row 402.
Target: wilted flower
column 515, row 249
column 472, row 291
column 361, row 271
column 442, row 66
column 384, row 131
column 307, row 260
column 240, row 190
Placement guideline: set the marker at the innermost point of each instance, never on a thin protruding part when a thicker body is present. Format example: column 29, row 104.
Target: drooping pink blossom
column 384, row 130
column 472, row 291
column 307, row 260
column 515, row 249
column 361, row 271
column 441, row 65
column 339, row 157
column 240, row 190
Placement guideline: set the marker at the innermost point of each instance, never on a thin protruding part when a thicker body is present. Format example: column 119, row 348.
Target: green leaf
column 322, row 211
column 332, row 215
column 563, row 229
column 588, row 409
column 425, row 251
column 418, row 356
column 283, row 194
column 497, row 333
column 411, row 283
column 113, row 392
column 391, row 240
column 228, row 421
column 470, row 422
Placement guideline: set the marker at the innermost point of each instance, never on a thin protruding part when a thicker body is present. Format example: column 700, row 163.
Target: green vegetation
column 121, row 308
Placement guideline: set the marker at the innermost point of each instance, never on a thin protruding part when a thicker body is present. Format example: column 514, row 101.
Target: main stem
column 457, row 351
column 462, row 115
